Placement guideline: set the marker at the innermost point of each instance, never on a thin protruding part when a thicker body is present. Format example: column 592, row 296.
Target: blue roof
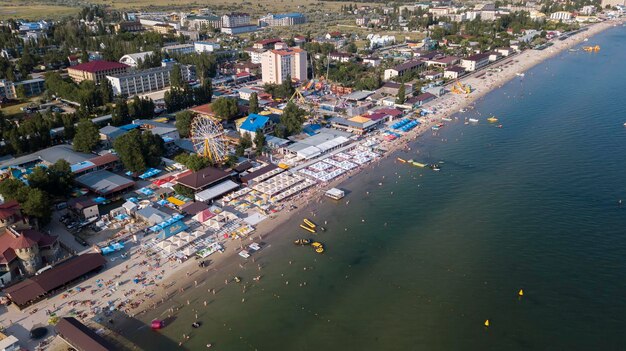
column 291, row 14
column 311, row 129
column 129, row 126
column 254, row 122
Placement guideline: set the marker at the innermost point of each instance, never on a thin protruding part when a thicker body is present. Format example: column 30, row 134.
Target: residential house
column 403, row 68
column 420, row 99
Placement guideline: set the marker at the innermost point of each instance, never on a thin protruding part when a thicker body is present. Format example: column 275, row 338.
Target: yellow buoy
column 487, row 323
column 521, row 292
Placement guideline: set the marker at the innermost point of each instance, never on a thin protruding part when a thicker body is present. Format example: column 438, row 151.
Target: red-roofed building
column 11, row 215
column 266, row 43
column 96, row 71
column 24, row 252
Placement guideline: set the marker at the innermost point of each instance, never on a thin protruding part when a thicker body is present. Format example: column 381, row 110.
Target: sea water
column 426, row 257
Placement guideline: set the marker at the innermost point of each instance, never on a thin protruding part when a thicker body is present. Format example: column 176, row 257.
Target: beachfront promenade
column 115, row 287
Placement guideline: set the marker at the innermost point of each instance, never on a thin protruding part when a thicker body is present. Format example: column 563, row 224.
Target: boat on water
column 447, row 119
column 318, row 247
column 520, row 74
column 473, row 120
column 434, row 127
column 463, row 110
column 401, row 160
column 302, row 242
column 417, row 164
column 307, row 228
column 244, row 254
column 492, row 119
column 572, row 50
column 435, row 167
column 237, row 280
column 309, row 223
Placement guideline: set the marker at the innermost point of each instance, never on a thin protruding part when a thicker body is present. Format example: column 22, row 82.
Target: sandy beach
column 158, row 281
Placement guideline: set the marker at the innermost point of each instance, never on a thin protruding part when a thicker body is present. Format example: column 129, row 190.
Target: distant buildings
column 613, row 3
column 282, row 20
column 205, row 46
column 237, row 23
column 180, row 49
column 561, row 16
column 9, row 89
column 380, row 40
column 96, row 71
column 276, row 65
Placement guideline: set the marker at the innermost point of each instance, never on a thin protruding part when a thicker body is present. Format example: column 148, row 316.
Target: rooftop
column 408, row 65
column 49, row 155
column 80, row 336
column 98, row 66
column 478, row 57
column 104, row 182
column 40, row 285
column 202, row 178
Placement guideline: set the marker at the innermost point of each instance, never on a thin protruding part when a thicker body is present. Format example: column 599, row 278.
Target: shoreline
column 453, row 102
column 164, row 281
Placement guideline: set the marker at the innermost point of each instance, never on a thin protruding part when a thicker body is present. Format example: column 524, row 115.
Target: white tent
column 189, row 250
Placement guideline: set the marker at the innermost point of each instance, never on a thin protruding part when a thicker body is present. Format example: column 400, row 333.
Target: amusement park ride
column 208, row 139
column 459, row 88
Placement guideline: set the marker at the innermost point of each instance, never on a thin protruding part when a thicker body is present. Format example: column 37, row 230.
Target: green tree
column 254, row 103
column 183, row 123
column 121, row 113
column 291, row 120
column 138, row 150
column 20, row 91
column 106, row 91
column 87, row 136
column 287, row 88
column 128, row 147
column 9, row 188
column 259, row 142
column 244, row 142
column 176, row 78
column 183, row 190
column 401, row 97
column 37, row 204
column 225, row 108
column 193, row 162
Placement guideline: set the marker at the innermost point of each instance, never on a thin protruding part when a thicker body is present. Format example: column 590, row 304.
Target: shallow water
column 423, row 260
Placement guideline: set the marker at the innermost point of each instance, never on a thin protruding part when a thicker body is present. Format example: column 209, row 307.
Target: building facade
column 475, row 62
column 96, row 71
column 180, row 49
column 276, row 65
column 147, row 80
column 9, row 89
column 235, row 19
column 282, row 20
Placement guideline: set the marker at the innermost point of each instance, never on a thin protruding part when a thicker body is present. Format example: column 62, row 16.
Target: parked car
column 81, row 240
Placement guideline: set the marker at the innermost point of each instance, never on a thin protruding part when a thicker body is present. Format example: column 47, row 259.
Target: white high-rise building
column 276, row 65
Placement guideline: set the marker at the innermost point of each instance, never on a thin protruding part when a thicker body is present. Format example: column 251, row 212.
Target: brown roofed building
column 37, row 287
column 80, row 337
column 96, row 71
column 24, row 251
column 202, row 178
column 11, row 214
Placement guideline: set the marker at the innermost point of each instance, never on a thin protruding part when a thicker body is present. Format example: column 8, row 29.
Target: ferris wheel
column 208, row 139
